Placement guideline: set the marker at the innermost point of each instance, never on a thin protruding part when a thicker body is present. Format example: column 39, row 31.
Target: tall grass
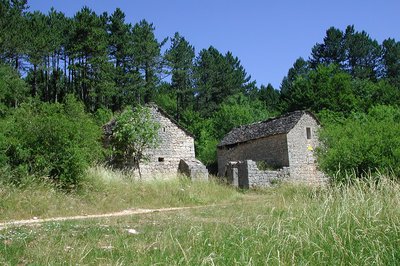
column 104, row 190
column 285, row 225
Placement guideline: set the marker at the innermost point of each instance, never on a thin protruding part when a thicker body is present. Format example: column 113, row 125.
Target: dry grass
column 285, row 225
column 105, row 191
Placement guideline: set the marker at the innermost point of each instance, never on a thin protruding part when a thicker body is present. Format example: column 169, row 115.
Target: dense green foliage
column 134, row 132
column 352, row 83
column 349, row 71
column 109, row 64
column 12, row 89
column 58, row 141
column 362, row 144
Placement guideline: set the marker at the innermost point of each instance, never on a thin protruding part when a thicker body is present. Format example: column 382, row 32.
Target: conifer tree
column 147, row 57
column 180, row 58
column 91, row 69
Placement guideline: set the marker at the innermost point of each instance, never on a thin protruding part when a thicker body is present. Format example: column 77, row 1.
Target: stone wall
column 264, row 178
column 245, row 174
column 301, row 148
column 194, row 169
column 174, row 144
column 273, row 150
column 293, row 152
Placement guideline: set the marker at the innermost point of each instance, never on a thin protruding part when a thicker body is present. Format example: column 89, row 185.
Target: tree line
column 107, row 64
column 349, row 71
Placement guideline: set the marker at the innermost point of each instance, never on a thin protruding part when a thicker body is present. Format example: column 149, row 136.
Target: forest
column 62, row 78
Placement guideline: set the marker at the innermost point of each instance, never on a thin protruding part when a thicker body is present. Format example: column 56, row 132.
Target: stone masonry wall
column 245, row 174
column 175, row 144
column 302, row 161
column 272, row 150
column 261, row 178
column 194, row 169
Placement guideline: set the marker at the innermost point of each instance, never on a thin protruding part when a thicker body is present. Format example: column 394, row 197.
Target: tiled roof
column 272, row 126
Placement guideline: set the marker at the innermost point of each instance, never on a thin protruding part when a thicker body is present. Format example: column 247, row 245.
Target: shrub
column 102, row 116
column 264, row 166
column 135, row 131
column 361, row 144
column 54, row 140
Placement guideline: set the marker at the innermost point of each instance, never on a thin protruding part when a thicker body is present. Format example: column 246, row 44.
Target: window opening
column 160, row 159
column 308, row 132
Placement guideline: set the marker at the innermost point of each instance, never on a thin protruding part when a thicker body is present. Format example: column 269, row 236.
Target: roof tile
column 272, row 126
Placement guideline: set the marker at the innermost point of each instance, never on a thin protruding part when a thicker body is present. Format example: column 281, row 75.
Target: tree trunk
column 34, row 89
column 140, row 172
column 178, row 96
column 47, row 77
column 16, row 62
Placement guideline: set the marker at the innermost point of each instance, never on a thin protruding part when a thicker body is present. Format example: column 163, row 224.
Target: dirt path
column 128, row 212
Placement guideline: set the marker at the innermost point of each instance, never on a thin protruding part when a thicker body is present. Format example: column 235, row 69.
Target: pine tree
column 126, row 77
column 180, row 58
column 217, row 77
column 331, row 51
column 363, row 54
column 391, row 61
column 147, row 57
column 13, row 41
column 91, row 73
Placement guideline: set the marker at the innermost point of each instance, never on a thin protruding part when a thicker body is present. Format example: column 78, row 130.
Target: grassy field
column 106, row 191
column 284, row 225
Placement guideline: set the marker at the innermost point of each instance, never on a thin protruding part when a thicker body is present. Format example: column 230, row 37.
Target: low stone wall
column 245, row 174
column 272, row 149
column 264, row 178
column 194, row 169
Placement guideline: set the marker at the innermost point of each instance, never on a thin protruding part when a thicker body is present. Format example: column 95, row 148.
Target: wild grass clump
column 353, row 224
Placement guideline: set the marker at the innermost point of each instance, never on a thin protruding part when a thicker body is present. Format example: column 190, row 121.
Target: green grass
column 284, row 225
column 107, row 191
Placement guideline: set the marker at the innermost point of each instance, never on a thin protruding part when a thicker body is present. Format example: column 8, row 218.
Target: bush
column 237, row 111
column 102, row 116
column 55, row 140
column 135, row 132
column 361, row 144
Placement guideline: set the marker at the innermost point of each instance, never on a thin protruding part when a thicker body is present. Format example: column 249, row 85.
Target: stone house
column 275, row 149
column 174, row 154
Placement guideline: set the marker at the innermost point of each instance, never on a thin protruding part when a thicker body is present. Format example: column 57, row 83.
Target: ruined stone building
column 275, row 149
column 175, row 152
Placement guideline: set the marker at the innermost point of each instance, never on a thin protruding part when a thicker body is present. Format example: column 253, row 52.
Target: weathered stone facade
column 302, row 162
column 245, row 174
column 175, row 144
column 288, row 148
column 273, row 150
column 193, row 168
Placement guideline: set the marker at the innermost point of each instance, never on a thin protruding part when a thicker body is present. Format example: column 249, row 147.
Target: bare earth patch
column 128, row 212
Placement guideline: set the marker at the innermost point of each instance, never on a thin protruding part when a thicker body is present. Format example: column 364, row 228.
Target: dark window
column 163, row 129
column 308, row 132
column 160, row 159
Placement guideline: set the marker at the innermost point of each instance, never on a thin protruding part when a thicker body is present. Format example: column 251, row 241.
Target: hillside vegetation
column 350, row 81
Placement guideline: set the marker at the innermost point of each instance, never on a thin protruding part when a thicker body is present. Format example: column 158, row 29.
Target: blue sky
column 267, row 36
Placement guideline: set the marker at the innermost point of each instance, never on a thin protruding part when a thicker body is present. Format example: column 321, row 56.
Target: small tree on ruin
column 135, row 132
